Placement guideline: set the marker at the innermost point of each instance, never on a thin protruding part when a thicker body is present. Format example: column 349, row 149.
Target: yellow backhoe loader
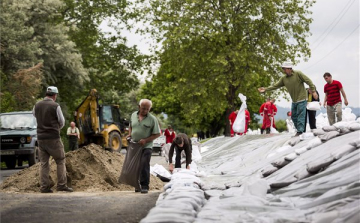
column 100, row 124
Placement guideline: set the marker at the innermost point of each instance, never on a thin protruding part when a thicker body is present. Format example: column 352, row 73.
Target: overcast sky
column 334, row 47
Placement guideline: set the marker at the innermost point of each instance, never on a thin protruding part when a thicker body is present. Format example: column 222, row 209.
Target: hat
column 287, row 64
column 52, row 89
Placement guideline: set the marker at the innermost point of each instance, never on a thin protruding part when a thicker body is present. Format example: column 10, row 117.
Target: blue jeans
column 298, row 115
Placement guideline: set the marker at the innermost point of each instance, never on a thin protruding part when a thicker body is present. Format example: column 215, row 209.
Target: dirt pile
column 89, row 169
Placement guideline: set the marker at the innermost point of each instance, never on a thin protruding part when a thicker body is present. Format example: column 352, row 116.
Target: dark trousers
column 312, row 119
column 178, row 157
column 73, row 143
column 145, row 168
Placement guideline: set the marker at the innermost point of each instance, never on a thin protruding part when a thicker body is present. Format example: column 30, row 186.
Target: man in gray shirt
column 50, row 120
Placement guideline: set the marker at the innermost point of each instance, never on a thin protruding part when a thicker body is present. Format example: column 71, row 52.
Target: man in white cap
column 294, row 82
column 50, row 120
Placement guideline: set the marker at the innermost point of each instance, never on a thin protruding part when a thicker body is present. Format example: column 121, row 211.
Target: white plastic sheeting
column 317, row 181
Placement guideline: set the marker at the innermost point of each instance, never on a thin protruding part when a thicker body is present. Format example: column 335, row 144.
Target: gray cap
column 52, row 89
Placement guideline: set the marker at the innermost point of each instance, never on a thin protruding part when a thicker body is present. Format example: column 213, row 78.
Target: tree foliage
column 31, row 36
column 213, row 50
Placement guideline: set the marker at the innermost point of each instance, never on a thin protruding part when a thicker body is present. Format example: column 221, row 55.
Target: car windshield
column 17, row 121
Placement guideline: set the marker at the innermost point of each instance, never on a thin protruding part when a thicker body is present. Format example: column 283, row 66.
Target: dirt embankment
column 89, row 169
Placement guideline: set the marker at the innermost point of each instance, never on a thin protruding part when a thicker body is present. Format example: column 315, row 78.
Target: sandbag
column 280, row 163
column 294, row 141
column 283, row 183
column 354, row 126
column 344, row 130
column 301, row 150
column 317, row 132
column 344, row 150
column 130, row 172
column 329, row 135
column 355, row 143
column 290, row 157
column 239, row 124
column 306, row 136
column 313, row 106
column 302, row 174
column 314, row 143
column 316, row 166
column 268, row 170
column 341, row 124
column 329, row 128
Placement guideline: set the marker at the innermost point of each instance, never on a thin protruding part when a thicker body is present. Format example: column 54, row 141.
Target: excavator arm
column 87, row 116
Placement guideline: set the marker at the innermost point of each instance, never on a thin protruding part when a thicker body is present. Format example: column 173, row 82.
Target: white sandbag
column 294, row 141
column 355, row 143
column 313, row 106
column 329, row 128
column 317, row 132
column 195, row 155
column 291, row 157
column 344, row 130
column 273, row 130
column 306, row 136
column 301, row 150
column 268, row 170
column 341, row 124
column 253, row 187
column 280, row 163
column 344, row 150
column 239, row 124
column 317, row 165
column 159, row 169
column 283, row 183
column 314, row 143
column 302, row 174
column 329, row 135
column 283, row 148
column 354, row 126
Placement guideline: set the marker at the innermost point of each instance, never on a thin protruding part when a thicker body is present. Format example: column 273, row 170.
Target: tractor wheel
column 115, row 141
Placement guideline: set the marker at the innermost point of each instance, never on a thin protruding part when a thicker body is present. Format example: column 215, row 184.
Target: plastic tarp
column 237, row 190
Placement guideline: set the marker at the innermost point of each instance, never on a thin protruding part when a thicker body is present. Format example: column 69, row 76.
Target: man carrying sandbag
column 143, row 129
column 180, row 143
column 293, row 81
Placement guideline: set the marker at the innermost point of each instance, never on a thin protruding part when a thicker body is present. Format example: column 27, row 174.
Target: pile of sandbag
column 181, row 201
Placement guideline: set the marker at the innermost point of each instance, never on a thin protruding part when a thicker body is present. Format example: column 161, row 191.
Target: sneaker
column 144, row 191
column 66, row 189
column 46, row 191
column 298, row 133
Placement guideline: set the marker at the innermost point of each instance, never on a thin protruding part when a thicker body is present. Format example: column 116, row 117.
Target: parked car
column 159, row 142
column 18, row 138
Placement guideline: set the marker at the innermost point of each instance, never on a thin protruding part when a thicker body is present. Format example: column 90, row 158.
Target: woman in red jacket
column 169, row 134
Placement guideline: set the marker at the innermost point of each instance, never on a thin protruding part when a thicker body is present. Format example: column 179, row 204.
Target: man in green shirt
column 144, row 128
column 294, row 82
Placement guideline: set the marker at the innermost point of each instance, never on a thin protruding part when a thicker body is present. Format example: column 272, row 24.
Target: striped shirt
column 333, row 92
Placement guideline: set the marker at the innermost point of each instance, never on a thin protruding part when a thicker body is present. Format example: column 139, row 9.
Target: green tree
column 214, row 49
column 113, row 66
column 31, row 35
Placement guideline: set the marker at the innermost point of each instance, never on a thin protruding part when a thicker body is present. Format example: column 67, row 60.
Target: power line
column 334, row 48
column 342, row 15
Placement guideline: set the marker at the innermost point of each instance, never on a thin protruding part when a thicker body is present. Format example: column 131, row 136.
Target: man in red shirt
column 232, row 118
column 169, row 134
column 332, row 100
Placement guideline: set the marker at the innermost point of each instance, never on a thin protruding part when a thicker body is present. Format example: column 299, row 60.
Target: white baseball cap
column 52, row 89
column 287, row 64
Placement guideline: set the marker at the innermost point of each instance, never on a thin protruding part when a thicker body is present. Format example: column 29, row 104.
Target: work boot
column 144, row 191
column 137, row 190
column 48, row 190
column 66, row 189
